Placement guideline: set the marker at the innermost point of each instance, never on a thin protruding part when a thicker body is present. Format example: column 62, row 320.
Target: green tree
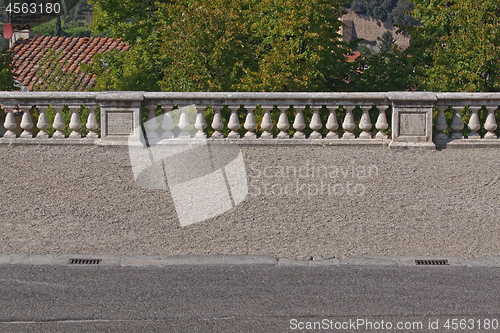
column 364, row 50
column 359, row 6
column 457, row 45
column 194, row 45
column 387, row 42
column 138, row 23
column 400, row 15
column 384, row 71
column 7, row 81
column 206, row 45
column 54, row 73
column 298, row 47
column 58, row 27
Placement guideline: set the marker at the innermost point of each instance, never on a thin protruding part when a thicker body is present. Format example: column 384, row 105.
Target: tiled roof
column 27, row 53
column 353, row 56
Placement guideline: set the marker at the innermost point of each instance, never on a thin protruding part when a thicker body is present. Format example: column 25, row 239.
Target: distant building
column 369, row 29
column 347, row 30
column 27, row 52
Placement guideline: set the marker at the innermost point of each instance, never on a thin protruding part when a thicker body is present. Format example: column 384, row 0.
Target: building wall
column 367, row 28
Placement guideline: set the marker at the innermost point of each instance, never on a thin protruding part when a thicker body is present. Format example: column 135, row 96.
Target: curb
column 116, row 260
column 238, row 260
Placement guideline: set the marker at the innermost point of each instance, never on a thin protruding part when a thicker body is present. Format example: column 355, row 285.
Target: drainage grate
column 431, row 262
column 84, row 261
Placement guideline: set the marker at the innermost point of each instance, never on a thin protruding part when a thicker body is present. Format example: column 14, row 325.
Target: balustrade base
column 54, row 142
column 460, row 143
column 381, row 136
column 471, row 143
column 412, row 145
column 225, row 141
column 304, row 142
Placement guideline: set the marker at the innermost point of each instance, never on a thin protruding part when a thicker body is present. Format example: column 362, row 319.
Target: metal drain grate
column 78, row 261
column 431, row 262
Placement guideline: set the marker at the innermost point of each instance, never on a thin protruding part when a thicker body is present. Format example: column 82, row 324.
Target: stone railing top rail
column 55, row 99
column 248, row 98
column 471, row 99
column 266, row 99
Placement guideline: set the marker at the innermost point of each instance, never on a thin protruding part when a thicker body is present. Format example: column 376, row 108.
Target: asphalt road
column 245, row 298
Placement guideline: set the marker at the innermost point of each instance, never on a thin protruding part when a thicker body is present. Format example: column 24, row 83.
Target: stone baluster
column 441, row 126
column 267, row 123
column 167, row 123
column 43, row 124
column 474, row 123
column 457, row 125
column 283, row 125
column 26, row 124
column 490, row 124
column 299, row 124
column 234, row 124
column 75, row 124
column 348, row 125
column 250, row 124
column 151, row 125
column 184, row 124
column 10, row 124
column 315, row 124
column 365, row 123
column 58, row 124
column 92, row 125
column 332, row 124
column 217, row 123
column 381, row 123
column 200, row 124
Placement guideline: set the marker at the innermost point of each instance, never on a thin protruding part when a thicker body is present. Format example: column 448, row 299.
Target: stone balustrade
column 470, row 105
column 460, row 119
column 39, row 103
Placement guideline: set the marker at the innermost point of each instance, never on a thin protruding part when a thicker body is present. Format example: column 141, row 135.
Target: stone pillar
column 91, row 125
column 266, row 124
column 217, row 123
column 332, row 123
column 250, row 125
column 120, row 116
column 412, row 119
column 299, row 124
column 234, row 123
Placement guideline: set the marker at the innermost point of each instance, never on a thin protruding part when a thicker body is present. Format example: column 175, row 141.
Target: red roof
column 353, row 56
column 27, row 53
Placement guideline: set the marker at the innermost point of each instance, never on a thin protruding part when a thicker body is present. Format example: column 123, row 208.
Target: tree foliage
column 457, row 45
column 222, row 45
column 7, row 81
column 395, row 11
column 387, row 42
column 384, row 71
column 400, row 14
column 54, row 73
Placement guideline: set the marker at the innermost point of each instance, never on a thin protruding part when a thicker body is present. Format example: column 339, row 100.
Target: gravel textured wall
column 71, row 199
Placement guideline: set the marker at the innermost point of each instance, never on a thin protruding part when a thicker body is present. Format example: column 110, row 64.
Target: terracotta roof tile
column 353, row 56
column 27, row 53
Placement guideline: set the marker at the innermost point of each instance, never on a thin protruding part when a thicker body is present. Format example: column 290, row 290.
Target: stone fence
column 417, row 119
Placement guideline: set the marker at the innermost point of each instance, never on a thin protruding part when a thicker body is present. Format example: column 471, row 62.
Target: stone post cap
column 122, row 96
column 413, row 96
